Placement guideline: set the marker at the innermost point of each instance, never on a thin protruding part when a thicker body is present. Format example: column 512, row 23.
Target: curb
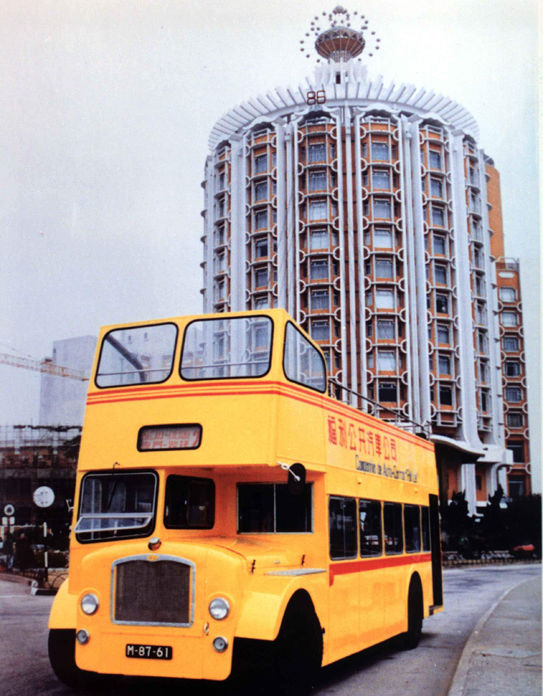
column 458, row 684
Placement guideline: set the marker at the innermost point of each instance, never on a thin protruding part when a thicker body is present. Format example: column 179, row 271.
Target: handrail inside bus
column 422, row 430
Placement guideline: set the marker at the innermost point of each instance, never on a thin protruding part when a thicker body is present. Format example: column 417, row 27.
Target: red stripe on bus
column 265, row 387
column 348, row 567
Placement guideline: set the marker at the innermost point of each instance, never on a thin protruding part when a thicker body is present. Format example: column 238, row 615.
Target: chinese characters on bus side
column 361, row 440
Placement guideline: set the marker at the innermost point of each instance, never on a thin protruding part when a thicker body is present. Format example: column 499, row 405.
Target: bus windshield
column 137, row 354
column 227, row 348
column 116, row 505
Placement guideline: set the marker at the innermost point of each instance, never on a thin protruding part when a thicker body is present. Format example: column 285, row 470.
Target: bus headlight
column 89, row 603
column 219, row 608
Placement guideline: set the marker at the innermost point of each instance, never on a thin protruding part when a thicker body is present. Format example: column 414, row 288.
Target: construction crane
column 46, row 366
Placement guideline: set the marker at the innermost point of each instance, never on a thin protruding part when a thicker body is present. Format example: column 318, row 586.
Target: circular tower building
column 365, row 209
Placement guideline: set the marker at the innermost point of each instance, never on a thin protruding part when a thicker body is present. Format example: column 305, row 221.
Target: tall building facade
column 371, row 214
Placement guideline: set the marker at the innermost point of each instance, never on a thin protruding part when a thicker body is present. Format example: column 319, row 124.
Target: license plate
column 149, row 652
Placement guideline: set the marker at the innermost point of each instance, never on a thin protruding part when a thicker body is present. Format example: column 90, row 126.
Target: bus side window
column 272, row 508
column 342, row 520
column 190, row 503
column 371, row 536
column 393, row 528
column 411, row 520
column 425, row 528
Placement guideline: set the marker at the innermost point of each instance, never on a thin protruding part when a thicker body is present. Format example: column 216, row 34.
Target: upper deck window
column 136, row 355
column 227, row 348
column 302, row 362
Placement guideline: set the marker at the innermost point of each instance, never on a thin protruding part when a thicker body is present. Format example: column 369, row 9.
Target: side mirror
column 296, row 479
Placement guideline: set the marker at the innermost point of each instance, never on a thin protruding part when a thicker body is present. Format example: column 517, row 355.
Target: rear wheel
column 411, row 637
column 62, row 658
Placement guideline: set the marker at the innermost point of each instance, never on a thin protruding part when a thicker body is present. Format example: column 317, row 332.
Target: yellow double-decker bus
column 229, row 513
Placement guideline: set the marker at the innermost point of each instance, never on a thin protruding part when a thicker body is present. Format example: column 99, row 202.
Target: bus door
column 343, row 623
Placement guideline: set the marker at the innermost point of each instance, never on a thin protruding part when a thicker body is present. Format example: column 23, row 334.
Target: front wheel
column 298, row 650
column 62, row 658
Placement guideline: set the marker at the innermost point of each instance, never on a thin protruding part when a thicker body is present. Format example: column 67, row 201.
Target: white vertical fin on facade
column 351, row 253
column 463, row 285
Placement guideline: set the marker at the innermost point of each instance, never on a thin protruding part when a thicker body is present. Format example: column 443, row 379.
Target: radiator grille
column 152, row 592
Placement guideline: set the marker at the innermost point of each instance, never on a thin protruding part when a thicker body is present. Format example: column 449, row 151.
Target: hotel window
column 318, row 269
column 380, row 151
column 445, row 395
column 383, row 268
column 512, row 368
column 381, row 179
column 434, row 159
column 440, row 274
column 382, row 208
column 513, row 394
column 221, row 206
column 220, row 263
column 444, row 365
column 485, row 401
column 221, row 181
column 386, row 329
column 515, row 419
column 442, row 304
column 320, row 299
column 261, row 164
column 479, row 285
column 318, row 210
column 384, row 299
column 386, row 361
column 382, row 238
column 261, row 219
column 483, row 371
column 317, row 152
column 510, row 343
column 261, row 277
column 509, row 318
column 440, row 244
column 483, row 341
column 261, row 247
column 436, row 187
column 261, row 191
column 319, row 239
column 518, row 451
column 320, row 330
column 387, row 391
column 220, row 288
column 317, row 181
column 443, row 334
column 438, row 216
column 508, row 294
column 261, row 302
column 219, row 236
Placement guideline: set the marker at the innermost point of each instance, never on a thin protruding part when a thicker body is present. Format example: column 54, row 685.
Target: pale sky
column 105, row 112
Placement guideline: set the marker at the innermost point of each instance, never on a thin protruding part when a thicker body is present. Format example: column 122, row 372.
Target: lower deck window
column 411, row 518
column 370, row 527
column 393, row 528
column 342, row 521
column 273, row 508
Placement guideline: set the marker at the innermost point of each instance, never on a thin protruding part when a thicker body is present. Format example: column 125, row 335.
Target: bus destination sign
column 169, row 437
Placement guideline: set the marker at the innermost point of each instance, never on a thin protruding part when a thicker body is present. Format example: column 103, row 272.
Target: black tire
column 61, row 646
column 298, row 648
column 411, row 638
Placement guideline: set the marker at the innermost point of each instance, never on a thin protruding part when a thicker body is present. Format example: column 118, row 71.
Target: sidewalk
column 503, row 655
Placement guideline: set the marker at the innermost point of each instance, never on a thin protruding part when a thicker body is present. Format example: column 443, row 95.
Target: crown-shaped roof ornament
column 337, row 38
